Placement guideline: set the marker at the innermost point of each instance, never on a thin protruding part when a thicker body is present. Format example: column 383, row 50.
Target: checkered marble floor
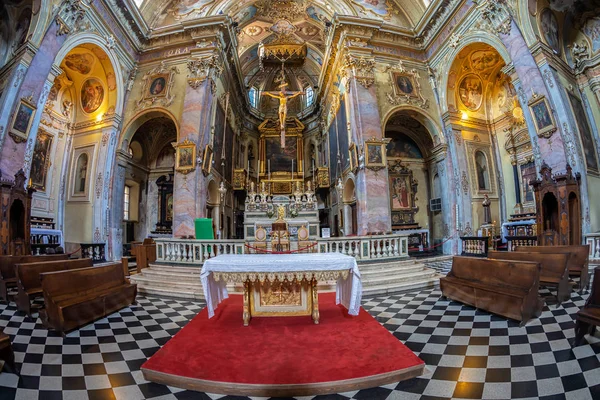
column 469, row 353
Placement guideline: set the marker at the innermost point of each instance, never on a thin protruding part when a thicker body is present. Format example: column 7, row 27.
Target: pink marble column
column 372, row 187
column 33, row 84
column 189, row 190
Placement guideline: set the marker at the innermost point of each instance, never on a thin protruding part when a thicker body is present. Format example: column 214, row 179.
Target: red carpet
column 282, row 352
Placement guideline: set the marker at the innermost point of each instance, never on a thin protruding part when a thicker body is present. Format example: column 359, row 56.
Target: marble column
column 117, row 208
column 32, row 82
column 372, row 187
column 190, row 190
column 347, row 219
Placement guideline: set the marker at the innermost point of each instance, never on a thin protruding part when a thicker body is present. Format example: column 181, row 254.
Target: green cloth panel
column 204, row 228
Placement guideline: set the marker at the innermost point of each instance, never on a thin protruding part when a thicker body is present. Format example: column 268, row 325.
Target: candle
column 269, row 166
column 292, row 169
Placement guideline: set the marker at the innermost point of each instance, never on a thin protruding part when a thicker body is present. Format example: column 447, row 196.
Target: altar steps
column 379, row 278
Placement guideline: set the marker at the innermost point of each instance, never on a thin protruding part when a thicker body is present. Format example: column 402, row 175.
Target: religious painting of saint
column 22, row 119
column 585, row 132
column 401, row 192
column 81, row 169
column 404, row 84
column 544, row 123
column 281, row 158
column 169, row 210
column 528, row 174
column 22, row 28
column 158, row 85
column 207, row 159
column 549, row 28
column 92, row 95
column 401, row 146
column 80, row 62
column 375, row 155
column 470, row 92
column 592, row 30
column 482, row 170
column 40, row 160
column 484, row 59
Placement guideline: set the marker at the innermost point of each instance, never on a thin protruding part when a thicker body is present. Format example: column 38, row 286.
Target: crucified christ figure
column 283, row 99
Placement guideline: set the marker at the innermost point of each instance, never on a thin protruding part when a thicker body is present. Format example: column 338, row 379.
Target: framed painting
column 585, row 132
column 158, row 85
column 40, row 160
column 375, row 154
column 207, row 159
column 353, row 152
column 22, row 119
column 542, row 116
column 81, row 173
column 404, row 84
column 400, row 188
column 185, row 156
column 528, row 174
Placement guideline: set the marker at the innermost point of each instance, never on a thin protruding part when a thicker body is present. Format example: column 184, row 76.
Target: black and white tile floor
column 469, row 353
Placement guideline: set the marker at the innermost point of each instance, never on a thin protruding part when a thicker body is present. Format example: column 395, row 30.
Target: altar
column 281, row 284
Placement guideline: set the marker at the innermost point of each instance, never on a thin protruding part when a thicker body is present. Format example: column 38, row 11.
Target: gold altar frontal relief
column 273, row 299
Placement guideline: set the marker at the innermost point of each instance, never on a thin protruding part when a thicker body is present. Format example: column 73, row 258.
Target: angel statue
column 283, row 99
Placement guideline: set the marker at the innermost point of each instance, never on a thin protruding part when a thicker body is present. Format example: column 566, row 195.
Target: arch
column 213, row 198
column 82, row 38
column 349, row 190
column 41, row 20
column 470, row 39
column 427, row 120
column 138, row 119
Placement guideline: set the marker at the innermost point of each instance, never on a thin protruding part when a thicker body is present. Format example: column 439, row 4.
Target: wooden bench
column 578, row 263
column 144, row 253
column 589, row 316
column 76, row 297
column 7, row 269
column 29, row 284
column 507, row 288
column 6, row 353
column 554, row 272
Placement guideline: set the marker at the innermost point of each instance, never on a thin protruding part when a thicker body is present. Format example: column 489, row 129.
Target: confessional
column 557, row 199
column 15, row 219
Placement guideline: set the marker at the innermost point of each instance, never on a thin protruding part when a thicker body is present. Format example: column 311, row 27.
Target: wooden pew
column 7, row 269
column 578, row 264
column 29, row 284
column 554, row 272
column 76, row 297
column 589, row 316
column 6, row 352
column 507, row 288
column 144, row 253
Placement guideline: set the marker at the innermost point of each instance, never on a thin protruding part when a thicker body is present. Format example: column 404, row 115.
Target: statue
column 280, row 213
column 487, row 214
column 283, row 99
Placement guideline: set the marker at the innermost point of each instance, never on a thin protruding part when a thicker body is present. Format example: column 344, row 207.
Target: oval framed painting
column 470, row 92
column 92, row 95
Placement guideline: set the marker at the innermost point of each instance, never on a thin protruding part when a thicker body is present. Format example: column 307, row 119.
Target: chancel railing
column 476, row 246
column 593, row 239
column 191, row 251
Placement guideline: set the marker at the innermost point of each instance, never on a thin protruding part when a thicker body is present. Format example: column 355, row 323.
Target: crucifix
column 283, row 97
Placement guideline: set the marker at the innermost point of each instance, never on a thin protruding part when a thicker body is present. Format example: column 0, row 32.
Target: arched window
column 253, row 96
column 310, row 96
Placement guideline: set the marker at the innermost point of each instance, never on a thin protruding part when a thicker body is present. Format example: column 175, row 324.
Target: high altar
column 281, row 183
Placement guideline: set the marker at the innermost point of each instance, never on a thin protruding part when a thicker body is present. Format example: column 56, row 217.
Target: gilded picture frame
column 158, row 85
column 353, row 152
column 22, row 120
column 207, row 159
column 545, row 126
column 40, row 160
column 185, row 156
column 405, row 84
column 375, row 154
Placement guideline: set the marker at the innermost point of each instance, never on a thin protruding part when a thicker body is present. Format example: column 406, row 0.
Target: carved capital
column 201, row 69
column 360, row 68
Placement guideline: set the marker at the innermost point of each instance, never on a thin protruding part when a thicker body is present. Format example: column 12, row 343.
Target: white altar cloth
column 348, row 291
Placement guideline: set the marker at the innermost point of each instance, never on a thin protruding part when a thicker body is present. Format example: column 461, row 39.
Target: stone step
column 399, row 279
column 406, row 287
column 391, row 271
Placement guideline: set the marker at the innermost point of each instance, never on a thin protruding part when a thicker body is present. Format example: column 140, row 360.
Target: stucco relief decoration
column 406, row 88
column 157, row 86
column 579, row 53
column 274, row 10
column 360, row 68
column 496, row 14
column 202, row 69
column 71, row 17
column 464, row 183
column 376, row 8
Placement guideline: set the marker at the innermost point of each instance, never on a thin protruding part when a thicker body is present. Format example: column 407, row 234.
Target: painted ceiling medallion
column 253, row 30
column 470, row 92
